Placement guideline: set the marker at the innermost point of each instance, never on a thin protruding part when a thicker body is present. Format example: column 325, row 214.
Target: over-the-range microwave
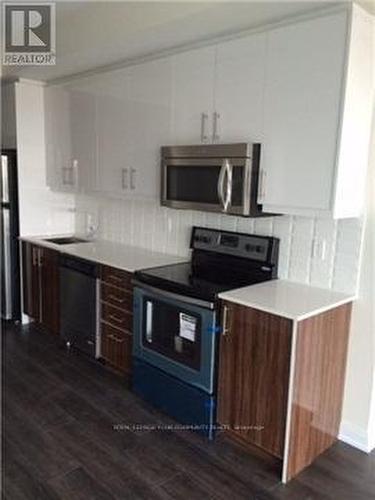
column 215, row 177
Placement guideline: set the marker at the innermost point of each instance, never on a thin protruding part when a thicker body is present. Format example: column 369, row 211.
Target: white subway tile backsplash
column 321, row 252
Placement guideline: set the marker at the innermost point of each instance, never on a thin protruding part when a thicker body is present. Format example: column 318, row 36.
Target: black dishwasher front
column 78, row 303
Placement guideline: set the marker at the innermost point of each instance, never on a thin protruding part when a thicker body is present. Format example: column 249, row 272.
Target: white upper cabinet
column 114, row 124
column 311, row 80
column 193, row 97
column 239, row 89
column 150, row 125
column 83, row 135
column 59, row 166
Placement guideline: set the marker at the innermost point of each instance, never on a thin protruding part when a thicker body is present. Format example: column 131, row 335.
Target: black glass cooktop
column 204, row 282
column 221, row 260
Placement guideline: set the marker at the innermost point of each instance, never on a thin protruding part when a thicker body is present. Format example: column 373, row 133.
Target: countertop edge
column 277, row 312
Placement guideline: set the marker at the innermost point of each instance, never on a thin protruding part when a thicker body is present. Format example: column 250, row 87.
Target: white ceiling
column 92, row 34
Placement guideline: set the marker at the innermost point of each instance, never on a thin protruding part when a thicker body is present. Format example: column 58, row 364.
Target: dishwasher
column 78, row 303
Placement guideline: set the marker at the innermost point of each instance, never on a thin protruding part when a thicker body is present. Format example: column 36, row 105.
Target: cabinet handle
column 115, row 318
column 40, row 257
column 204, row 136
column 132, row 178
column 34, row 256
column 116, row 339
column 226, row 326
column 262, row 185
column 116, row 299
column 114, row 278
column 215, row 127
column 124, row 178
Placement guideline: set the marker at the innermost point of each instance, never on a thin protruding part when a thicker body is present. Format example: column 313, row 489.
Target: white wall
column 358, row 424
column 8, row 117
column 41, row 211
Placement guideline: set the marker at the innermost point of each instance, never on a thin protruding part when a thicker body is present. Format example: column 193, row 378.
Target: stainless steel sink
column 65, row 240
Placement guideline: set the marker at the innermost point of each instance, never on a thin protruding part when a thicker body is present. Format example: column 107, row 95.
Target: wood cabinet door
column 239, row 89
column 304, row 77
column 254, row 376
column 50, row 290
column 30, row 280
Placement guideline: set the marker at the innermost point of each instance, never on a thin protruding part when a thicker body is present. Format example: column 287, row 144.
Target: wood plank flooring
column 60, row 441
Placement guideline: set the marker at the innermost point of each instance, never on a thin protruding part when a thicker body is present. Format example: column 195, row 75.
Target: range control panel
column 250, row 246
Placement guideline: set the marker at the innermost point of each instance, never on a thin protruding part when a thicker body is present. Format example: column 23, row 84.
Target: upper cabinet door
column 149, row 125
column 239, row 89
column 83, row 135
column 304, row 79
column 192, row 104
column 114, row 126
column 60, row 174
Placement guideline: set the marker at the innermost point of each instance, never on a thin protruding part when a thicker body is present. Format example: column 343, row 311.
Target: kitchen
column 194, row 239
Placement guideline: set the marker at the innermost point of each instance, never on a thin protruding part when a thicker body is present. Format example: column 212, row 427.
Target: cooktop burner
column 221, row 260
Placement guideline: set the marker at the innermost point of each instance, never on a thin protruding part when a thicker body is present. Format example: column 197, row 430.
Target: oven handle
column 170, row 295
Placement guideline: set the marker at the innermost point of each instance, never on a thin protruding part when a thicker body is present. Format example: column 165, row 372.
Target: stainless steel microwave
column 215, row 177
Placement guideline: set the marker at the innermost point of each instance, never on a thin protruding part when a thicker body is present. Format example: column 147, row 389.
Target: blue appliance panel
column 200, row 371
column 188, row 405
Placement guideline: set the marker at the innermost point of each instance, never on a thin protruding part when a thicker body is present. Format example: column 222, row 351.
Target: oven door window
column 172, row 332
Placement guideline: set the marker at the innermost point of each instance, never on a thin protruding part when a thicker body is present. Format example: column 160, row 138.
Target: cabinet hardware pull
column 116, row 299
column 114, row 278
column 40, row 257
column 116, row 318
column 204, row 118
column 116, row 339
column 262, row 184
column 226, row 326
column 132, row 178
column 124, row 178
column 215, row 134
column 34, row 256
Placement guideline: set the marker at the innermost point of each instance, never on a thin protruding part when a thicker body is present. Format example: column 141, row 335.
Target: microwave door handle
column 220, row 183
column 228, row 198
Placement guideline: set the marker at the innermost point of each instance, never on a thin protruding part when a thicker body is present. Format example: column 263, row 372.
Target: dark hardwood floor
column 60, row 441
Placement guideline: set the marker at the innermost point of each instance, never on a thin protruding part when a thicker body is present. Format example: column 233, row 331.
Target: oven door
column 175, row 335
column 213, row 184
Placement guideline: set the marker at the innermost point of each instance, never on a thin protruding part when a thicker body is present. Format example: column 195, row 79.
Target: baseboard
column 355, row 436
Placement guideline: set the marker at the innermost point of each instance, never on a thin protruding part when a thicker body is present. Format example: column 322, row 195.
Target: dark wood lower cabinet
column 41, row 285
column 253, row 377
column 30, row 279
column 50, row 290
column 116, row 318
column 281, row 381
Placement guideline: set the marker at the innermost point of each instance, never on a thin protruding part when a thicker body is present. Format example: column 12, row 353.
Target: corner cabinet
column 281, row 382
column 317, row 116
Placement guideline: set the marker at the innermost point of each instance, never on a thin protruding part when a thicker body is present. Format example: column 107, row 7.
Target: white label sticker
column 188, row 326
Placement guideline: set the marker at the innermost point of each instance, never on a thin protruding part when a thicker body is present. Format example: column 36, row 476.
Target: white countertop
column 111, row 254
column 287, row 299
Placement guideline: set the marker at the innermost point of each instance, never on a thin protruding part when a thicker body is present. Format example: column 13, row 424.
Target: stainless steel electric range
column 176, row 321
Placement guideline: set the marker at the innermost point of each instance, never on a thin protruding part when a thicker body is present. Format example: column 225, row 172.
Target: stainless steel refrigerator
column 10, row 274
